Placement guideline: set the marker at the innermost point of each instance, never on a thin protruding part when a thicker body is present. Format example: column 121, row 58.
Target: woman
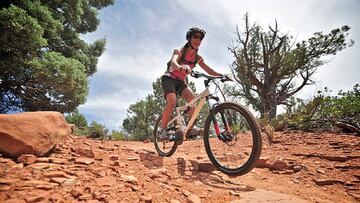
column 182, row 62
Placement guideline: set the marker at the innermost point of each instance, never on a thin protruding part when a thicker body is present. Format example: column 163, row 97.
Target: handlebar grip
column 225, row 78
column 195, row 74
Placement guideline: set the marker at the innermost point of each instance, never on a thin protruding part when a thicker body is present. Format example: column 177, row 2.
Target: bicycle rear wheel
column 164, row 147
column 232, row 139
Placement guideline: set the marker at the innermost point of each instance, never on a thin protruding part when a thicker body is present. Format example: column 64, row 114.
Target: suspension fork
column 225, row 121
column 223, row 118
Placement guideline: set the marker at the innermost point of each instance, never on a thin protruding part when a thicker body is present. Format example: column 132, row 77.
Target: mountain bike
column 231, row 135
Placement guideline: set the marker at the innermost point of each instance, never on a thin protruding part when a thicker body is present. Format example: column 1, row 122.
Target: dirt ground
column 298, row 167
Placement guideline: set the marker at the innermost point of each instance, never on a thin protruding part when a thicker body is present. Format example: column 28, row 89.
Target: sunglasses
column 195, row 36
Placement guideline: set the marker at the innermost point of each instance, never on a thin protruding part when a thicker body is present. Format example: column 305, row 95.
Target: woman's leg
column 170, row 105
column 188, row 95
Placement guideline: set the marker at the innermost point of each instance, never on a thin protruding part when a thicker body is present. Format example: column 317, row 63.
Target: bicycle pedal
column 177, row 138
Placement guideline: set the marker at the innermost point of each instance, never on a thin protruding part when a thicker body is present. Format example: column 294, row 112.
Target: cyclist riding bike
column 173, row 81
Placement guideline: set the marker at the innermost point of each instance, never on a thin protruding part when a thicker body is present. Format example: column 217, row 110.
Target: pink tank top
column 189, row 60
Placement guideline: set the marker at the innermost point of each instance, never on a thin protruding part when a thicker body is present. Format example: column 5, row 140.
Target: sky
column 141, row 36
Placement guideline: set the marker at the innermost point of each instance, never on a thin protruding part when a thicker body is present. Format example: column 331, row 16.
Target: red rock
column 32, row 132
column 76, row 192
column 8, row 181
column 84, row 160
column 320, row 171
column 42, row 160
column 355, row 195
column 130, row 179
column 158, row 173
column 56, row 174
column 194, row 199
column 279, row 166
column 84, row 152
column 114, row 157
column 85, row 197
column 297, row 168
column 58, row 161
column 262, row 163
column 133, row 159
column 69, row 182
column 323, row 182
column 5, row 188
column 58, row 180
column 146, row 199
column 27, row 159
column 44, row 187
column 40, row 165
column 340, row 158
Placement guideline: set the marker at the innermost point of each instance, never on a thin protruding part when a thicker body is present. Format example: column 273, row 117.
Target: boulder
column 31, row 132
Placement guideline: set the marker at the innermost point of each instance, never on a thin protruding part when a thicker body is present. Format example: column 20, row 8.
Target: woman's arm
column 206, row 68
column 174, row 65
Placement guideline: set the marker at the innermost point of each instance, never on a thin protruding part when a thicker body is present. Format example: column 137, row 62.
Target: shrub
column 96, row 130
column 324, row 112
column 116, row 135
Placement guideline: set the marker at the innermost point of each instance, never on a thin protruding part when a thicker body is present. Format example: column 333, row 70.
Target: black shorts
column 171, row 85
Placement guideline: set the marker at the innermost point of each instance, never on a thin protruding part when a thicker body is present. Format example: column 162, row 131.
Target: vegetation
column 141, row 118
column 324, row 112
column 99, row 131
column 44, row 65
column 268, row 64
column 79, row 121
column 116, row 135
column 94, row 130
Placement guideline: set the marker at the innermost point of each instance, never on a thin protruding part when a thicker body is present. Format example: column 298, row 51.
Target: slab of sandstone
column 31, row 132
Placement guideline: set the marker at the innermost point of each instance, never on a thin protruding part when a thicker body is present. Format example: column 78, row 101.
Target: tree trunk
column 270, row 104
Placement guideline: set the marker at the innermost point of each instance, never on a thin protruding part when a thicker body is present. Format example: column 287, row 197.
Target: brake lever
column 225, row 78
column 195, row 74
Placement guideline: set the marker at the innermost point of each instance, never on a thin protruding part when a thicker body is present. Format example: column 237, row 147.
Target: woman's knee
column 187, row 94
column 171, row 100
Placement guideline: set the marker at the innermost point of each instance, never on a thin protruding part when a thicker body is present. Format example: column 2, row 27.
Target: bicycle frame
column 180, row 119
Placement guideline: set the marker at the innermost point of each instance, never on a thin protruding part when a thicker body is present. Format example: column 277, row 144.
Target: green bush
column 116, row 135
column 324, row 112
column 80, row 122
column 96, row 130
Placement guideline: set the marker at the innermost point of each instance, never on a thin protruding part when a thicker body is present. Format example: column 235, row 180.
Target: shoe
column 164, row 135
column 177, row 137
column 195, row 132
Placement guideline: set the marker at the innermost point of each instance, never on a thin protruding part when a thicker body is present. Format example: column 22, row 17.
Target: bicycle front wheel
column 164, row 147
column 232, row 139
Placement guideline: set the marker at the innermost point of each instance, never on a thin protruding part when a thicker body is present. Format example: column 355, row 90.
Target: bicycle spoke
column 163, row 147
column 235, row 148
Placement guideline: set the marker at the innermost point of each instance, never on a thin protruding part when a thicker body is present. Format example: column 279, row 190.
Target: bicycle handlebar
column 223, row 78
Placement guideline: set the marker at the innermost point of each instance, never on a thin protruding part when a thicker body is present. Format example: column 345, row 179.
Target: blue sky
column 142, row 34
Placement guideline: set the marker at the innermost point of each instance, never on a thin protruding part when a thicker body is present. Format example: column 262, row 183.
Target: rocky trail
column 298, row 167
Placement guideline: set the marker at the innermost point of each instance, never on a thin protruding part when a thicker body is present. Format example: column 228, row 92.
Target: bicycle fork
column 218, row 133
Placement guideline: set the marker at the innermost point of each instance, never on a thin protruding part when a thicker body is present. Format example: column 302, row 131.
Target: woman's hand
column 185, row 68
